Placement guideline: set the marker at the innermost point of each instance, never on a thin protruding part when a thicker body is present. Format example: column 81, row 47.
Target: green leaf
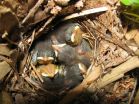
column 130, row 2
column 126, row 2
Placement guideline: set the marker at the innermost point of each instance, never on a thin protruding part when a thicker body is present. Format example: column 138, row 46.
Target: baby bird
column 69, row 33
column 58, row 78
column 65, row 54
column 52, row 76
column 85, row 50
column 42, row 51
column 49, row 70
column 74, row 37
column 73, row 75
column 69, row 55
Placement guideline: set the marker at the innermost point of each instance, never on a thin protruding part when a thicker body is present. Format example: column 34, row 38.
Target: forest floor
column 111, row 31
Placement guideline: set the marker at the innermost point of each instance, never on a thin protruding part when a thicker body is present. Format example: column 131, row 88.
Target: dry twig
column 86, row 12
column 133, row 92
column 39, row 76
column 30, row 81
column 32, row 11
column 44, row 26
column 116, row 73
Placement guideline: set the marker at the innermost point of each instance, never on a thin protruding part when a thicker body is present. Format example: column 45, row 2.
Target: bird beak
column 76, row 28
column 82, row 68
column 48, row 75
column 50, row 58
column 73, row 37
column 48, row 71
column 58, row 47
column 54, row 40
column 43, row 60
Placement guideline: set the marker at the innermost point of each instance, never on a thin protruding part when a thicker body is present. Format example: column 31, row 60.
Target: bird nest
column 55, row 50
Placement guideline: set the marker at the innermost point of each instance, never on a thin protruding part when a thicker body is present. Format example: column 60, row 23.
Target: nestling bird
column 73, row 76
column 61, row 57
column 42, row 51
column 68, row 55
column 86, row 52
column 74, row 36
column 58, row 77
column 52, row 76
column 67, row 32
column 49, row 70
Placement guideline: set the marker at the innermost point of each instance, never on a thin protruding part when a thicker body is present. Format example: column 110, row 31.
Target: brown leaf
column 19, row 99
column 136, row 38
column 13, row 4
column 5, row 98
column 8, row 20
column 4, row 50
column 4, row 69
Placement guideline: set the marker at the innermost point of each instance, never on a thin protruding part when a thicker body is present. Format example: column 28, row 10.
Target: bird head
column 45, row 60
column 48, row 71
column 65, row 53
column 43, row 57
column 73, row 36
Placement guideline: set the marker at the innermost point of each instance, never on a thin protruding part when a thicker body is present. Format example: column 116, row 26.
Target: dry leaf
column 4, row 50
column 136, row 38
column 5, row 98
column 12, row 4
column 31, row 3
column 4, row 69
column 131, row 34
column 8, row 20
column 19, row 99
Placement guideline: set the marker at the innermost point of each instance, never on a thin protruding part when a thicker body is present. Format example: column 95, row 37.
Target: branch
column 32, row 11
column 86, row 12
column 116, row 73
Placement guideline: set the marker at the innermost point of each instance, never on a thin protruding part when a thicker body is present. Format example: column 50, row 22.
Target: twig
column 44, row 26
column 113, row 40
column 22, row 45
column 85, row 12
column 10, row 63
column 8, row 77
column 31, row 82
column 36, row 72
column 36, row 84
column 32, row 11
column 116, row 73
column 136, row 99
column 133, row 92
column 5, row 36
